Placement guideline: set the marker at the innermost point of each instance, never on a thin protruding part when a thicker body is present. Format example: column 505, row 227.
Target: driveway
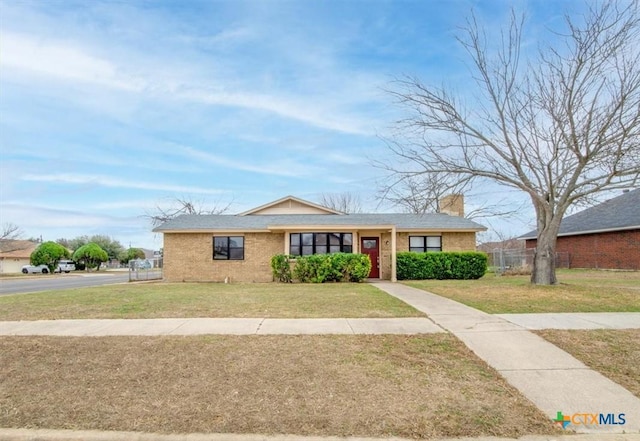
column 62, row 281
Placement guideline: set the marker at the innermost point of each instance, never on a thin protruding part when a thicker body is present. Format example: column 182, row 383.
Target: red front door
column 370, row 246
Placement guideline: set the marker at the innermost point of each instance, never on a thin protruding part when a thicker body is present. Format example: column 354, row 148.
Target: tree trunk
column 544, row 259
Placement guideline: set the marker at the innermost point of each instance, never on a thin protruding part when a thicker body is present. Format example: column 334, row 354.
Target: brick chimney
column 452, row 204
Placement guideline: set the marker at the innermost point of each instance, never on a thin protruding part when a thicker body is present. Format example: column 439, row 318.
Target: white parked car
column 63, row 265
column 33, row 269
column 66, row 266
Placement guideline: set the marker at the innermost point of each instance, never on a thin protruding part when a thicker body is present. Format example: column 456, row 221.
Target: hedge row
column 319, row 268
column 445, row 265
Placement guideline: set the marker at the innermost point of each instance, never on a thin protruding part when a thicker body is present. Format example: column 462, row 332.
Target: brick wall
column 615, row 250
column 450, row 241
column 188, row 257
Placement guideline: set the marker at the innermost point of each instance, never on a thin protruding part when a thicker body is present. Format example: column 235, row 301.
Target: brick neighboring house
column 14, row 254
column 605, row 236
column 239, row 247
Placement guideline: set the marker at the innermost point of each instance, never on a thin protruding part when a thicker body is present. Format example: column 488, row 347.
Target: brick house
column 215, row 248
column 605, row 236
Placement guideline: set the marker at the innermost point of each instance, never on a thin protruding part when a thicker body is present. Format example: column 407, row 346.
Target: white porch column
column 394, row 277
column 287, row 242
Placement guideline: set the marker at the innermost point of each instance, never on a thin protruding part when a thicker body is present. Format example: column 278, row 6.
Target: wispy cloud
column 62, row 61
column 69, row 62
column 285, row 168
column 108, row 181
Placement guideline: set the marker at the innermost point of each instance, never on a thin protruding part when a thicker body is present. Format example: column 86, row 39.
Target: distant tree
column 345, row 202
column 10, row 231
column 183, row 205
column 49, row 253
column 113, row 247
column 91, row 255
column 131, row 254
column 561, row 125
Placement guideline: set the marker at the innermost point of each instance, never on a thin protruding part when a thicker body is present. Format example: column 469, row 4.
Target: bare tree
column 422, row 192
column 10, row 231
column 561, row 128
column 345, row 202
column 183, row 205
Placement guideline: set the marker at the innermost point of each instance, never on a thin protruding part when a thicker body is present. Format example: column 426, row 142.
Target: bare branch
column 344, row 202
column 183, row 205
column 10, row 231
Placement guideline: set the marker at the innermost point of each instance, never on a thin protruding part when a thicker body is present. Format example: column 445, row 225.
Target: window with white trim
column 425, row 244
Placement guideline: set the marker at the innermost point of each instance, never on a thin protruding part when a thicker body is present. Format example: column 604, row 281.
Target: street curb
column 96, row 435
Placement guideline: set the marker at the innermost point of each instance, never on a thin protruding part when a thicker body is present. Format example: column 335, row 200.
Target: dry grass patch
column 578, row 291
column 613, row 353
column 410, row 386
column 160, row 300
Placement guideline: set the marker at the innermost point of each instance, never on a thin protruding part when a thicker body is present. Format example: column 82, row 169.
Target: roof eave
column 580, row 233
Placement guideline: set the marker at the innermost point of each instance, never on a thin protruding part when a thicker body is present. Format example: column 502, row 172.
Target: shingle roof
column 619, row 213
column 431, row 221
column 17, row 248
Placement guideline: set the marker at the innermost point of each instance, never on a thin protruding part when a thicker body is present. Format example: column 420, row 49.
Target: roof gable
column 289, row 205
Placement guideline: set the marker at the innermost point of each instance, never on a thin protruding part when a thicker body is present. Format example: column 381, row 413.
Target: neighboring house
column 239, row 247
column 14, row 254
column 604, row 236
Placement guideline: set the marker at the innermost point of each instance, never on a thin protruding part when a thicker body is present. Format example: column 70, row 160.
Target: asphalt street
column 48, row 282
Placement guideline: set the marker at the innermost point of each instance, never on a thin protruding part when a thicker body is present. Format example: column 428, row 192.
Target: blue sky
column 110, row 108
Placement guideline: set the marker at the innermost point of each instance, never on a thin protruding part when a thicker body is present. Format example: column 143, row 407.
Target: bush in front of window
column 336, row 267
column 280, row 268
column 446, row 265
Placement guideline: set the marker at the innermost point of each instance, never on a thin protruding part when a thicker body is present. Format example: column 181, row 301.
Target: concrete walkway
column 96, row 435
column 573, row 320
column 229, row 326
column 551, row 378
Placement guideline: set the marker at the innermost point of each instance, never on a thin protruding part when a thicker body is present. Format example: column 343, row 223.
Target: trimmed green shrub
column 280, row 268
column 49, row 253
column 336, row 267
column 91, row 255
column 444, row 265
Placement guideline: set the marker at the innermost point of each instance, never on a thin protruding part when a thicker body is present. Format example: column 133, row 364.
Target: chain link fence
column 520, row 260
column 145, row 269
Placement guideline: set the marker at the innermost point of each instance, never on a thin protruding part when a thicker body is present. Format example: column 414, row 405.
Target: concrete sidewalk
column 576, row 320
column 96, row 435
column 227, row 326
column 551, row 378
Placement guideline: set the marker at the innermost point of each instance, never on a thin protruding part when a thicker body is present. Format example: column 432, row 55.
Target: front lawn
column 578, row 291
column 613, row 353
column 379, row 386
column 156, row 300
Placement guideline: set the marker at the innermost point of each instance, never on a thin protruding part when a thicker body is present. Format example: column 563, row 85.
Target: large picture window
column 424, row 244
column 228, row 248
column 305, row 244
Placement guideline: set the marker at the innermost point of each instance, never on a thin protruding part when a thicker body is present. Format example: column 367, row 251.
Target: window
column 305, row 244
column 228, row 248
column 424, row 244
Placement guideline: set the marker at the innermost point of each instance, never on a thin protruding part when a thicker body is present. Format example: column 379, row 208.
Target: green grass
column 613, row 353
column 155, row 300
column 578, row 291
